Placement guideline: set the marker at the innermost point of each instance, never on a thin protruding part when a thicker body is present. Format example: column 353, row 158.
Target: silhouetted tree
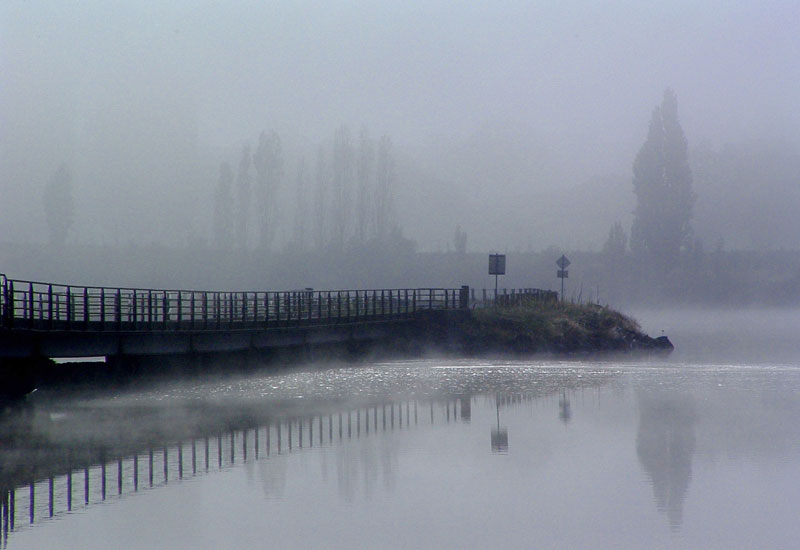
column 223, row 208
column 616, row 244
column 364, row 202
column 301, row 207
column 662, row 181
column 385, row 221
column 460, row 240
column 320, row 196
column 243, row 206
column 268, row 162
column 58, row 206
column 342, row 184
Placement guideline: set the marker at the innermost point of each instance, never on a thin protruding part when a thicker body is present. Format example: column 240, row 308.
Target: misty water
column 700, row 449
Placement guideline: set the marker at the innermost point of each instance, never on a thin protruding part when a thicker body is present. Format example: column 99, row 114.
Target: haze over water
column 678, row 452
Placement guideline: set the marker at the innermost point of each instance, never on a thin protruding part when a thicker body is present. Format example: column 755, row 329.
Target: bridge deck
column 54, row 320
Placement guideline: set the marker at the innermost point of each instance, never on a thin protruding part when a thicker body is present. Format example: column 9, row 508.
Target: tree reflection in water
column 665, row 444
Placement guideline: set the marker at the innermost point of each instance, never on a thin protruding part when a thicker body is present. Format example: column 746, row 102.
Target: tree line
column 347, row 197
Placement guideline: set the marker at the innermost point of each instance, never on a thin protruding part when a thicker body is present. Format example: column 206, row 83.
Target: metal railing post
column 30, row 304
column 118, row 310
column 134, row 309
column 180, row 309
column 69, row 308
column 3, row 300
column 165, row 309
column 50, row 306
column 102, row 309
column 11, row 304
column 329, row 306
column 85, row 308
column 149, row 309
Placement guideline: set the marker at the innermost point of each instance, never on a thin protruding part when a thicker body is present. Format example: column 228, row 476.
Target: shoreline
column 553, row 328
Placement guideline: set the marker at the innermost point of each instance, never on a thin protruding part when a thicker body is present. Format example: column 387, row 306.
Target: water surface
column 697, row 450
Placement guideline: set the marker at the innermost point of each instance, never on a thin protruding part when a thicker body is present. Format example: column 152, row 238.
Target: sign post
column 497, row 266
column 562, row 264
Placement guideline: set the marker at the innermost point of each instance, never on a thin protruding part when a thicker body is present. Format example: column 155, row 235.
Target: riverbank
column 553, row 327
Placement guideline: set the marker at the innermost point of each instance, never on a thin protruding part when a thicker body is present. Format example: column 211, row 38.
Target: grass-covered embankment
column 553, row 327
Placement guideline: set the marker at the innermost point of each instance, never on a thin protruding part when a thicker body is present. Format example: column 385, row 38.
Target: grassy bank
column 554, row 328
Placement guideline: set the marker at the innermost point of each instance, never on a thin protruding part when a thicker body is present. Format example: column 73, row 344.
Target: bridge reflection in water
column 105, row 478
column 60, row 455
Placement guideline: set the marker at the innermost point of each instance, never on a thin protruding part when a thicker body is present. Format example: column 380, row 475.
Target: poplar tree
column 662, row 182
column 243, row 199
column 343, row 157
column 320, row 196
column 385, row 221
column 223, row 209
column 268, row 163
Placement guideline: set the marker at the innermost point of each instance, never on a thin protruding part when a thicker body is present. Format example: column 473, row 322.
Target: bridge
column 40, row 319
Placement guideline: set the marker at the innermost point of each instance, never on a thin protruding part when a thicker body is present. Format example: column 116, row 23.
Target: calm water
column 697, row 450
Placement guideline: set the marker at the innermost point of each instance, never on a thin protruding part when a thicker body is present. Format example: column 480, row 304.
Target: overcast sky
column 112, row 82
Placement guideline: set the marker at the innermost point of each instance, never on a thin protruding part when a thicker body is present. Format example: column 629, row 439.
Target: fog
column 517, row 121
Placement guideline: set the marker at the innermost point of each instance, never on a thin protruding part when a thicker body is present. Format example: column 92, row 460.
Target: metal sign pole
column 497, row 267
column 562, row 264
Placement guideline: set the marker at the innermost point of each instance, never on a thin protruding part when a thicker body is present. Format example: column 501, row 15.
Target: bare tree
column 320, row 194
column 223, row 208
column 243, row 192
column 268, row 162
column 342, row 184
column 301, row 206
column 385, row 221
column 460, row 240
column 365, row 199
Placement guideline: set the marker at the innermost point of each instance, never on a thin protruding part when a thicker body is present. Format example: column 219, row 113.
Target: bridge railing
column 36, row 305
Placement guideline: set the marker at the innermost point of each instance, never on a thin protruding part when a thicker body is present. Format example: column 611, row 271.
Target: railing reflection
column 160, row 464
column 58, row 460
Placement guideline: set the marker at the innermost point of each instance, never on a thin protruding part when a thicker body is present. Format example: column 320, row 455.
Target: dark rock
column 663, row 343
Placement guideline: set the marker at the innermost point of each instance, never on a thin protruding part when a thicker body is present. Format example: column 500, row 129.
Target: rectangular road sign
column 497, row 264
column 563, row 274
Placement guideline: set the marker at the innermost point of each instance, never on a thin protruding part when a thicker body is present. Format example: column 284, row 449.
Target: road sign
column 497, row 264
column 562, row 264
